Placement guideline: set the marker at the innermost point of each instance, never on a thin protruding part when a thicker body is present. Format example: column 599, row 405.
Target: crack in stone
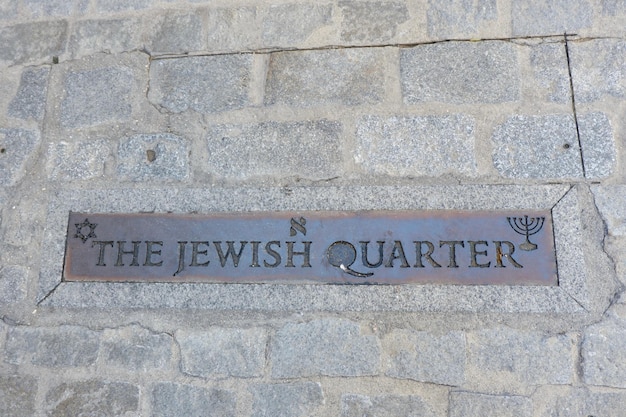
column 571, row 85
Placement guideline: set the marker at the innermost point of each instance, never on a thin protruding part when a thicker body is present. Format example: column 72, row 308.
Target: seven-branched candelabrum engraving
column 527, row 227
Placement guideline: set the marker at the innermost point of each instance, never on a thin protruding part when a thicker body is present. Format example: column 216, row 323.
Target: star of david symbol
column 81, row 234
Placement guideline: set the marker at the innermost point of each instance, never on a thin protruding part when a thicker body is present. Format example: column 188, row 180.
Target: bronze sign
column 405, row 247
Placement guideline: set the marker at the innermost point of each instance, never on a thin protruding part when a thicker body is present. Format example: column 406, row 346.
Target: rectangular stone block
column 109, row 36
column 17, row 147
column 292, row 24
column 233, row 29
column 17, row 395
column 550, row 69
column 613, row 7
column 295, row 399
column 32, row 42
column 610, row 203
column 310, row 149
column 598, row 69
column 459, row 18
column 331, row 347
column 371, row 21
column 416, row 145
column 39, row 8
column 122, row 5
column 353, row 405
column 171, row 399
column 581, row 401
column 221, row 352
column 604, row 357
column 349, row 77
column 537, row 17
column 598, row 145
column 77, row 160
column 460, row 72
column 135, row 349
column 468, row 404
column 207, row 84
column 175, row 34
column 153, row 157
column 13, row 283
column 30, row 99
column 92, row 398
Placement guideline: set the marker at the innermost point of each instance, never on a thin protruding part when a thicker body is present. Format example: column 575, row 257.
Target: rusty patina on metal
column 369, row 247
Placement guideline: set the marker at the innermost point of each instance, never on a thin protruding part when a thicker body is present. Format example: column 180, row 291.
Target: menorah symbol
column 526, row 227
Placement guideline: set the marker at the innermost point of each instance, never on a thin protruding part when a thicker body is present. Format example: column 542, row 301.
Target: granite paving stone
column 460, row 72
column 57, row 8
column 522, row 358
column 458, row 18
column 416, row 145
column 609, row 201
column 97, row 96
column 232, row 29
column 172, row 400
column 17, row 395
column 598, row 70
column 426, row 357
column 353, row 405
column 32, row 42
column 8, row 9
column 17, row 146
column 332, row 347
column 286, row 400
column 371, row 21
column 549, row 65
column 529, row 146
column 614, row 7
column 349, row 77
column 110, row 36
column 576, row 402
column 537, row 17
column 158, row 156
column 468, row 404
column 598, row 144
column 30, row 99
column 175, row 33
column 68, row 161
column 283, row 24
column 134, row 348
column 604, row 357
column 92, row 398
column 223, row 352
column 63, row 346
column 207, row 84
column 309, row 149
column 122, row 5
column 13, row 283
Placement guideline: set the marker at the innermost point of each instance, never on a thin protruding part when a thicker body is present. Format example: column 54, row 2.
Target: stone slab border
column 586, row 276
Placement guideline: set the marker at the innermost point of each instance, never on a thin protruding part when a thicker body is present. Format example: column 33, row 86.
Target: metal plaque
column 370, row 247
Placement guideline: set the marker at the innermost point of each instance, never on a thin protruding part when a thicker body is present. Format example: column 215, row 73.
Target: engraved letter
column 291, row 253
column 150, row 252
column 397, row 253
column 419, row 254
column 452, row 244
column 272, row 253
column 181, row 257
column 195, row 252
column 364, row 254
column 255, row 254
column 229, row 252
column 508, row 255
column 121, row 252
column 103, row 244
column 474, row 253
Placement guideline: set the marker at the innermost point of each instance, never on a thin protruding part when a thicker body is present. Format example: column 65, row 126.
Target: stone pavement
column 190, row 105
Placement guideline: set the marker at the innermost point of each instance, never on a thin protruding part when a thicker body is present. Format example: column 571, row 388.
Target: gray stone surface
column 32, row 42
column 576, row 402
column 232, row 28
column 39, row 8
column 134, row 348
column 537, row 17
column 610, row 202
column 68, row 161
column 222, row 352
column 8, row 9
column 173, row 400
column 97, row 96
column 17, row 146
column 613, row 7
column 30, row 99
column 537, row 147
column 64, row 346
column 416, row 145
column 310, row 149
column 426, row 357
column 598, row 70
column 286, row 400
column 122, row 5
column 353, row 405
column 175, row 33
column 604, row 357
column 284, row 25
column 13, row 283
column 519, row 358
column 320, row 77
column 460, row 72
column 467, row 404
column 598, row 144
column 549, row 65
column 17, row 395
column 371, row 21
column 207, row 84
column 459, row 18
column 333, row 347
column 110, row 36
column 158, row 156
column 92, row 398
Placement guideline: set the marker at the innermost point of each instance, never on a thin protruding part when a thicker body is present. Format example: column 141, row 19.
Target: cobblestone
column 283, row 24
column 122, row 5
column 353, row 405
column 331, row 347
column 460, row 73
column 459, row 18
column 13, row 283
column 416, row 145
column 597, row 70
column 426, row 357
column 535, row 17
column 8, row 9
column 17, row 146
column 17, row 395
column 576, row 402
column 30, row 99
column 231, row 29
column 110, row 36
column 598, row 146
column 32, row 42
column 309, row 149
column 176, row 33
column 171, row 400
column 92, row 398
column 604, row 358
column 136, row 349
column 371, row 21
column 614, row 7
column 221, row 352
column 466, row 404
column 38, row 8
column 549, row 64
column 160, row 156
column 77, row 160
column 609, row 200
column 65, row 346
column 207, row 84
column 337, row 76
column 286, row 400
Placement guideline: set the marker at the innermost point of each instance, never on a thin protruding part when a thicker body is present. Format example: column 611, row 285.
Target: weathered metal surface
column 379, row 247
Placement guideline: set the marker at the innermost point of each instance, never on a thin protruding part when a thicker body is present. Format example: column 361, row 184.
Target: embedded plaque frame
column 586, row 278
